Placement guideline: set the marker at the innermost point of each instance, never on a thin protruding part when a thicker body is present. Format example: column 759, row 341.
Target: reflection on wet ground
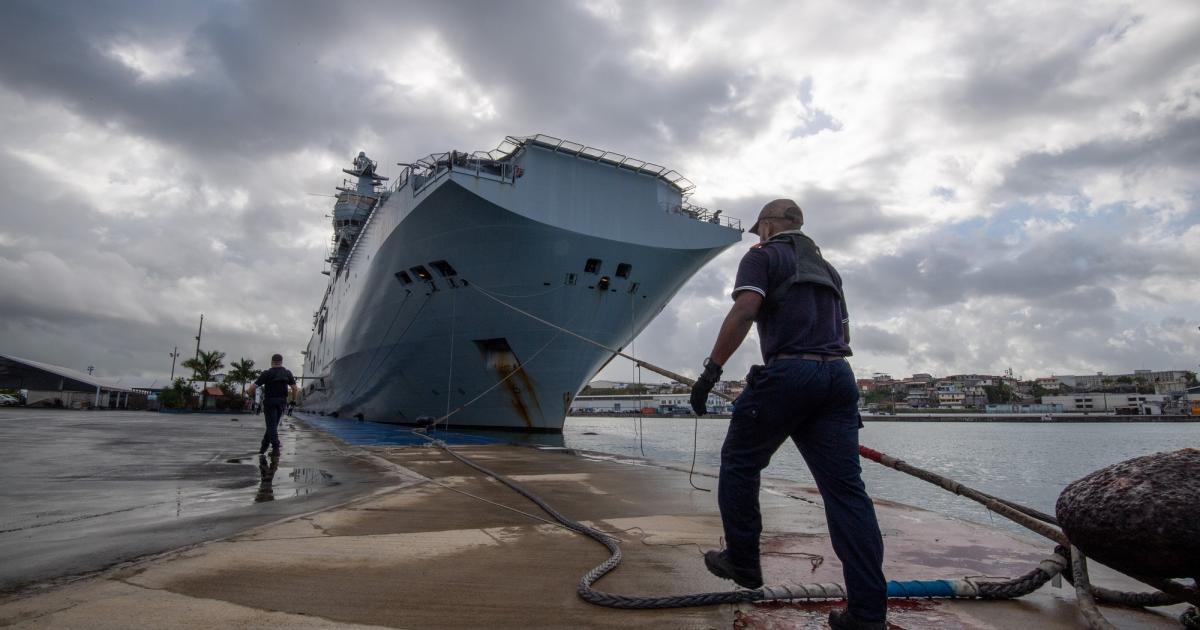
column 303, row 480
column 266, row 473
column 361, row 433
column 85, row 489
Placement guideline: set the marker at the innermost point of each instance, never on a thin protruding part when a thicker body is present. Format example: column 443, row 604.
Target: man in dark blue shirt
column 805, row 391
column 276, row 382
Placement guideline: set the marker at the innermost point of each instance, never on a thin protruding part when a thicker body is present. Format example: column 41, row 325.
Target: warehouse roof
column 75, row 375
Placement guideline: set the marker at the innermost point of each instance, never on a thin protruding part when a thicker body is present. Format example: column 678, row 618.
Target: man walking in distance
column 805, row 391
column 276, row 382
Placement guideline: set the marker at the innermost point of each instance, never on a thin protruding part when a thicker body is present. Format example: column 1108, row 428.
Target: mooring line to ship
column 637, row 373
column 450, row 363
column 873, row 455
column 967, row 588
column 959, row 589
column 366, row 369
column 1170, row 591
column 512, row 373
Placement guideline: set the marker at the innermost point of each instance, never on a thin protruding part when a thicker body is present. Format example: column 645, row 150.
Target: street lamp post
column 174, row 355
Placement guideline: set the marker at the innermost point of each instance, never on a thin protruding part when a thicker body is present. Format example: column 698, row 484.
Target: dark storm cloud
column 265, row 77
column 556, row 62
column 1176, row 146
column 874, row 339
column 1078, row 270
column 271, row 77
column 835, row 219
column 264, row 93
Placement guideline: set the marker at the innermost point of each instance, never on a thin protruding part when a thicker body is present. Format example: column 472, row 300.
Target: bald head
column 779, row 215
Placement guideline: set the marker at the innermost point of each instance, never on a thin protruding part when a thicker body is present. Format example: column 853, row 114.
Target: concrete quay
column 445, row 547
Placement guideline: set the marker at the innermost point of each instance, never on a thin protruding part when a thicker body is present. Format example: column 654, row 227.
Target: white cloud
column 1003, row 185
column 151, row 63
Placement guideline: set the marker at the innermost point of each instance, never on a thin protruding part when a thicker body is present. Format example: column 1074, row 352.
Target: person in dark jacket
column 276, row 382
column 804, row 391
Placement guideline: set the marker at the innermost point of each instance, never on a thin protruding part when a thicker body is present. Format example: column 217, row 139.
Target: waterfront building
column 950, row 395
column 1024, row 408
column 1048, row 383
column 669, row 404
column 45, row 385
column 1098, row 402
column 918, row 396
column 1163, row 381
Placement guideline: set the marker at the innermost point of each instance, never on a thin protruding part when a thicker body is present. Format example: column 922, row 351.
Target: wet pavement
column 446, row 547
column 81, row 491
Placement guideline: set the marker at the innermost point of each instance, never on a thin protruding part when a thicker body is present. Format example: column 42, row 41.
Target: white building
column 1163, row 381
column 634, row 403
column 1048, row 383
column 1103, row 403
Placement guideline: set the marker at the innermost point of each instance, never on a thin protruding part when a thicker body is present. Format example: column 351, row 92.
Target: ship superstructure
column 426, row 273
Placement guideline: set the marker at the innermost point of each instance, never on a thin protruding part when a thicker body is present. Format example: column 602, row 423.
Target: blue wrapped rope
column 920, row 588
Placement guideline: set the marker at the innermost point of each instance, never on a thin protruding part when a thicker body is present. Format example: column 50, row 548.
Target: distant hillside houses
column 1137, row 390
column 975, row 392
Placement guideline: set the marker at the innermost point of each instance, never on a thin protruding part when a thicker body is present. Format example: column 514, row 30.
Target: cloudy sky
column 1003, row 185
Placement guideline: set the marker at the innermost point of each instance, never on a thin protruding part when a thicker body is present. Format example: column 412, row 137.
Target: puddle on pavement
column 276, row 482
column 280, row 482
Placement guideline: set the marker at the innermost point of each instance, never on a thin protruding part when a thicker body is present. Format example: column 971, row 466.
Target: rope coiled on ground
column 1025, row 584
column 1038, row 522
column 1008, row 589
column 1190, row 618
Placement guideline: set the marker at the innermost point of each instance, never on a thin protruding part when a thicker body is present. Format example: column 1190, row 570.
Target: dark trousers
column 273, row 411
column 815, row 404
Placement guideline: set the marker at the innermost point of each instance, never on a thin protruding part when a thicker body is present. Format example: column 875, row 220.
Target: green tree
column 177, row 395
column 204, row 366
column 998, row 394
column 242, row 371
column 879, row 397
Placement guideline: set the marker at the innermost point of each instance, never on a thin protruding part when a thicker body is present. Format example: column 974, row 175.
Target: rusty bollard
column 1141, row 516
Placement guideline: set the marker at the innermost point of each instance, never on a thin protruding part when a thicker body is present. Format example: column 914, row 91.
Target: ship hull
column 453, row 345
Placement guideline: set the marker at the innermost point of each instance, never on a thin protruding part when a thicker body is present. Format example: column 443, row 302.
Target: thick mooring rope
column 1041, row 523
column 1008, row 589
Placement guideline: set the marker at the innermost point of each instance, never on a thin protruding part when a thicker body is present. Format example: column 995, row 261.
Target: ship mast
column 355, row 201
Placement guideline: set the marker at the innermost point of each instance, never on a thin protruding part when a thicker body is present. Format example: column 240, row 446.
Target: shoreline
column 948, row 417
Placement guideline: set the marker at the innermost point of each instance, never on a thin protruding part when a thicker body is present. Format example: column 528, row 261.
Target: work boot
column 843, row 620
column 718, row 564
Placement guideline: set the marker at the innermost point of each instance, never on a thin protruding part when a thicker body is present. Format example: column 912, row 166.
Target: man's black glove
column 704, row 385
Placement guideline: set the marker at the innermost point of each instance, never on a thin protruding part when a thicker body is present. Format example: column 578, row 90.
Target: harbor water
column 1026, row 462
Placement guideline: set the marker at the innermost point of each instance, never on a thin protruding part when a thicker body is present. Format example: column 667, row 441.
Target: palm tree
column 242, row 371
column 203, row 366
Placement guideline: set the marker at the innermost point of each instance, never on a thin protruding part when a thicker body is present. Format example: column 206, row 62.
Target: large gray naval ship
column 426, row 273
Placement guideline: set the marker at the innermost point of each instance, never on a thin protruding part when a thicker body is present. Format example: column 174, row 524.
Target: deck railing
column 497, row 165
column 704, row 214
column 558, row 145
